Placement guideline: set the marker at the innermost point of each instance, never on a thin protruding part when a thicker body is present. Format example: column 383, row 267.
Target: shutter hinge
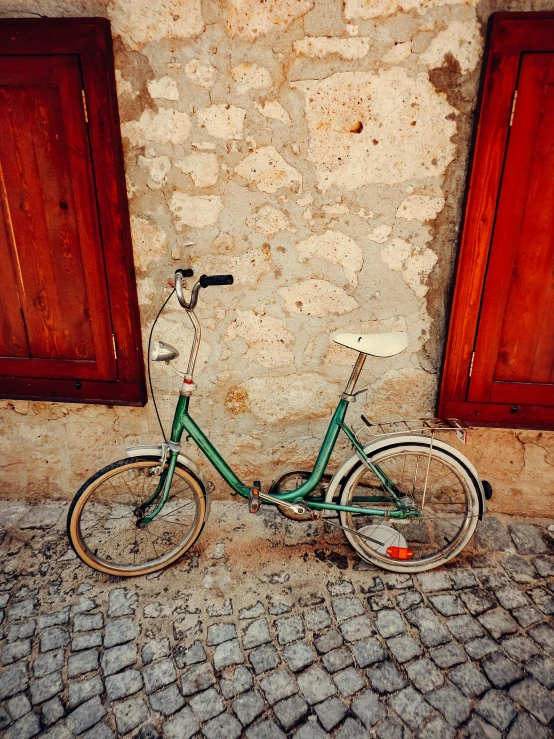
column 471, row 363
column 513, row 108
column 114, row 346
column 84, row 105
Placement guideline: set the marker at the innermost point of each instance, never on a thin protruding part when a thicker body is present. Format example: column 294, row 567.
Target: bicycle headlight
column 161, row 352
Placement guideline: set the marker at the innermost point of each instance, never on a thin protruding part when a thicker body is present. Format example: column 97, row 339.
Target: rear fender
column 348, row 466
column 145, row 450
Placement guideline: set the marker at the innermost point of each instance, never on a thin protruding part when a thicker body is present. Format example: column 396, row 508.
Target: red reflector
column 400, row 553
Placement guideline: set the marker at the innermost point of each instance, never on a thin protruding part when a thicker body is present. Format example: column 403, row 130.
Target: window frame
column 91, row 40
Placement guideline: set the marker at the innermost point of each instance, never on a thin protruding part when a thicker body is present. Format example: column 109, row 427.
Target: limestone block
column 267, row 169
column 420, row 207
column 250, row 77
column 460, row 39
column 225, row 242
column 276, row 399
column 317, row 298
column 266, row 338
column 398, row 53
column 167, row 126
column 274, row 110
column 157, row 167
column 140, row 22
column 202, row 167
column 197, row 211
column 246, row 268
column 382, row 127
column 380, row 234
column 252, row 19
column 149, row 242
column 146, row 288
column 336, row 209
column 319, row 48
column 367, row 9
column 267, row 220
column 521, row 475
column 222, row 121
column 165, row 88
column 337, row 248
column 415, row 263
column 402, row 393
column 240, row 443
column 340, row 355
column 124, row 87
column 200, row 74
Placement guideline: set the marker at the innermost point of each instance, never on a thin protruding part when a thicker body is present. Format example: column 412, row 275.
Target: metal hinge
column 513, row 108
column 114, row 346
column 84, row 105
column 471, row 363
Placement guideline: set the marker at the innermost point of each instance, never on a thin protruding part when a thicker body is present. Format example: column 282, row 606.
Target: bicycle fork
column 162, row 492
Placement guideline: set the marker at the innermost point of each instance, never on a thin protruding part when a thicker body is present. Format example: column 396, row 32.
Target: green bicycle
column 406, row 500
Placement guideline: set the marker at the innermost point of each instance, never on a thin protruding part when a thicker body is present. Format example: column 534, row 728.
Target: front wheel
column 433, row 485
column 102, row 519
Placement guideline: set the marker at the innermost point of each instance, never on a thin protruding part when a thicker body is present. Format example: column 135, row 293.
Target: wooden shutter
column 499, row 365
column 68, row 308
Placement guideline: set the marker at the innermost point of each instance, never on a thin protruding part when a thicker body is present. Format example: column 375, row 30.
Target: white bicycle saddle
column 377, row 345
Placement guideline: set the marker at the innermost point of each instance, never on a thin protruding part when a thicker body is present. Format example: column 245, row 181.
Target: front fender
column 377, row 444
column 147, row 450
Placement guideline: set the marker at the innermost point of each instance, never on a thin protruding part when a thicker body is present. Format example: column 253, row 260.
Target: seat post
column 349, row 389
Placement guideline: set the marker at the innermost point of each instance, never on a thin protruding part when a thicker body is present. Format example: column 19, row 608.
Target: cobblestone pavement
column 272, row 628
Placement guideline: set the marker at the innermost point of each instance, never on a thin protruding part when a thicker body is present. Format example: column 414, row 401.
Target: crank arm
column 297, row 508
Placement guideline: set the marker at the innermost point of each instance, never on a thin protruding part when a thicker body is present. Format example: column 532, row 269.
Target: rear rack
column 420, row 425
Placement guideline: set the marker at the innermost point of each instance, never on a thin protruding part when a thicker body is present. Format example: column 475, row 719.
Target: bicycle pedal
column 254, row 497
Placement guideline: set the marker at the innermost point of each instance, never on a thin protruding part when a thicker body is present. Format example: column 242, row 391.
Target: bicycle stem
column 195, row 346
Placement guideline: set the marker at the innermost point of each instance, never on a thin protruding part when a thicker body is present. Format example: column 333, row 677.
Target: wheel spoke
column 428, row 482
column 108, row 534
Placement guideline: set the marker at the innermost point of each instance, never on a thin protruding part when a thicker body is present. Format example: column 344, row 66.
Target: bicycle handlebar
column 204, row 281
column 184, row 272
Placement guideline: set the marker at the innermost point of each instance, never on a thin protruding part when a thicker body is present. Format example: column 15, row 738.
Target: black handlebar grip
column 206, row 281
column 184, row 272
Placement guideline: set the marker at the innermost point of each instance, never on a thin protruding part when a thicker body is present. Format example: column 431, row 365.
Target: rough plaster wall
column 317, row 150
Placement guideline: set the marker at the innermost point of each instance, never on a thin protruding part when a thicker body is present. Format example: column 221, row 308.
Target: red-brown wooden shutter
column 68, row 308
column 499, row 365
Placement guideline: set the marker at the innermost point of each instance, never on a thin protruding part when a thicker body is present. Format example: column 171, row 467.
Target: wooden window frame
column 509, row 36
column 90, row 39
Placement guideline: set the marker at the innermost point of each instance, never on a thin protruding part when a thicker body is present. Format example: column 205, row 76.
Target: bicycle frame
column 183, row 422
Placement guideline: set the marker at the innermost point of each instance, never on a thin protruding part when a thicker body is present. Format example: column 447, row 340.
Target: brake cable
column 148, row 363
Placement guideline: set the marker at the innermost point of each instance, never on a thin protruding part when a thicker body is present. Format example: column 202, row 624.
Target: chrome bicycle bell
column 161, row 352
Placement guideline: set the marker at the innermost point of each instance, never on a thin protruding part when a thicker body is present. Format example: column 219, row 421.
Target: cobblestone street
column 271, row 628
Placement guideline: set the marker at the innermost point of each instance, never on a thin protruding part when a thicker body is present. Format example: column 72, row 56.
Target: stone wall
column 318, row 151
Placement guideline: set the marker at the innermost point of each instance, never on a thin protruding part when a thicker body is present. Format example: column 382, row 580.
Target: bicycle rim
column 435, row 485
column 102, row 519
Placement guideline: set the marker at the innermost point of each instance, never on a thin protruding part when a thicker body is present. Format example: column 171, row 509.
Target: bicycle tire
column 452, row 548
column 84, row 494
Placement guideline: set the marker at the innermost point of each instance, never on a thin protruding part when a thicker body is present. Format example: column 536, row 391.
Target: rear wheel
column 102, row 519
column 433, row 484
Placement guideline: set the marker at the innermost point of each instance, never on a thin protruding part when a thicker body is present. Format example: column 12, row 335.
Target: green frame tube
column 183, row 422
